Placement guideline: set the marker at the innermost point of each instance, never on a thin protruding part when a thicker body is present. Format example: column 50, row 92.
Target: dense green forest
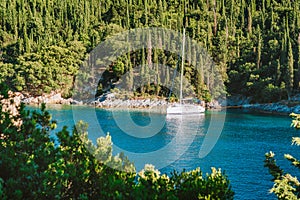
column 255, row 44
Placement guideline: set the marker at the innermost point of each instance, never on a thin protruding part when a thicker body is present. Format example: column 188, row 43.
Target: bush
column 271, row 93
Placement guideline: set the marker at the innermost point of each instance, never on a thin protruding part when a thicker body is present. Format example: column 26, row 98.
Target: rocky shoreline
column 111, row 101
column 274, row 108
column 48, row 99
column 283, row 107
column 131, row 103
column 107, row 102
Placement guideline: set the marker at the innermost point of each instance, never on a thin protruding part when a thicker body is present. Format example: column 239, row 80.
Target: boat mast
column 182, row 65
column 182, row 56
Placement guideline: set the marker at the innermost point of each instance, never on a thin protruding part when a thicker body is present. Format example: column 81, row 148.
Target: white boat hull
column 185, row 109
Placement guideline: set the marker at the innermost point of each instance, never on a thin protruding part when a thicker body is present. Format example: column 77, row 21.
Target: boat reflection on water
column 184, row 129
column 185, row 125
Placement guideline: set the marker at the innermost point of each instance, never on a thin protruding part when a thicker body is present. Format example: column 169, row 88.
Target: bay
column 174, row 144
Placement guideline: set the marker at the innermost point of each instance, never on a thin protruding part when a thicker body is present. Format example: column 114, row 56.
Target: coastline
column 156, row 104
column 283, row 107
column 107, row 101
column 273, row 108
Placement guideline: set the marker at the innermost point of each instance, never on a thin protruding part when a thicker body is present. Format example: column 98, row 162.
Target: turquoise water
column 240, row 150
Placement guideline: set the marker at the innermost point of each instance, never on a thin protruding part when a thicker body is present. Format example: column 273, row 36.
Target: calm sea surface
column 174, row 143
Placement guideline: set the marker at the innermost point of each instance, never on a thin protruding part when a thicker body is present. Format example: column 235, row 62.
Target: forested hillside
column 254, row 43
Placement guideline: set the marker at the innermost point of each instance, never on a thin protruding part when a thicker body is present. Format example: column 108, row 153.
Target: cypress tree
column 298, row 77
column 149, row 50
column 231, row 11
column 167, row 71
column 223, row 8
column 215, row 18
column 157, row 73
column 290, row 70
column 161, row 12
column 209, row 38
column 127, row 15
column 278, row 73
column 259, row 47
column 143, row 72
column 146, row 12
column 26, row 39
column 238, row 46
column 249, row 20
column 263, row 13
column 129, row 77
column 272, row 19
column 242, row 14
column 283, row 51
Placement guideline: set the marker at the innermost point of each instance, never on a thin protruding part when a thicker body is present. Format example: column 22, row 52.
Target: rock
column 74, row 102
column 296, row 109
column 130, row 103
column 55, row 99
column 296, row 97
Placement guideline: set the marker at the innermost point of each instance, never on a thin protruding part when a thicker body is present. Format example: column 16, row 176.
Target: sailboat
column 182, row 108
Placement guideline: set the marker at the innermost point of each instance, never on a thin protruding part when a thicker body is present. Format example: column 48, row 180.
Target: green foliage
column 194, row 185
column 296, row 121
column 53, row 68
column 285, row 185
column 152, row 185
column 35, row 164
column 244, row 39
column 271, row 93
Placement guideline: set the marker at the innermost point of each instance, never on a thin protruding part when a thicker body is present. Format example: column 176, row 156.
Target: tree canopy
column 255, row 44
